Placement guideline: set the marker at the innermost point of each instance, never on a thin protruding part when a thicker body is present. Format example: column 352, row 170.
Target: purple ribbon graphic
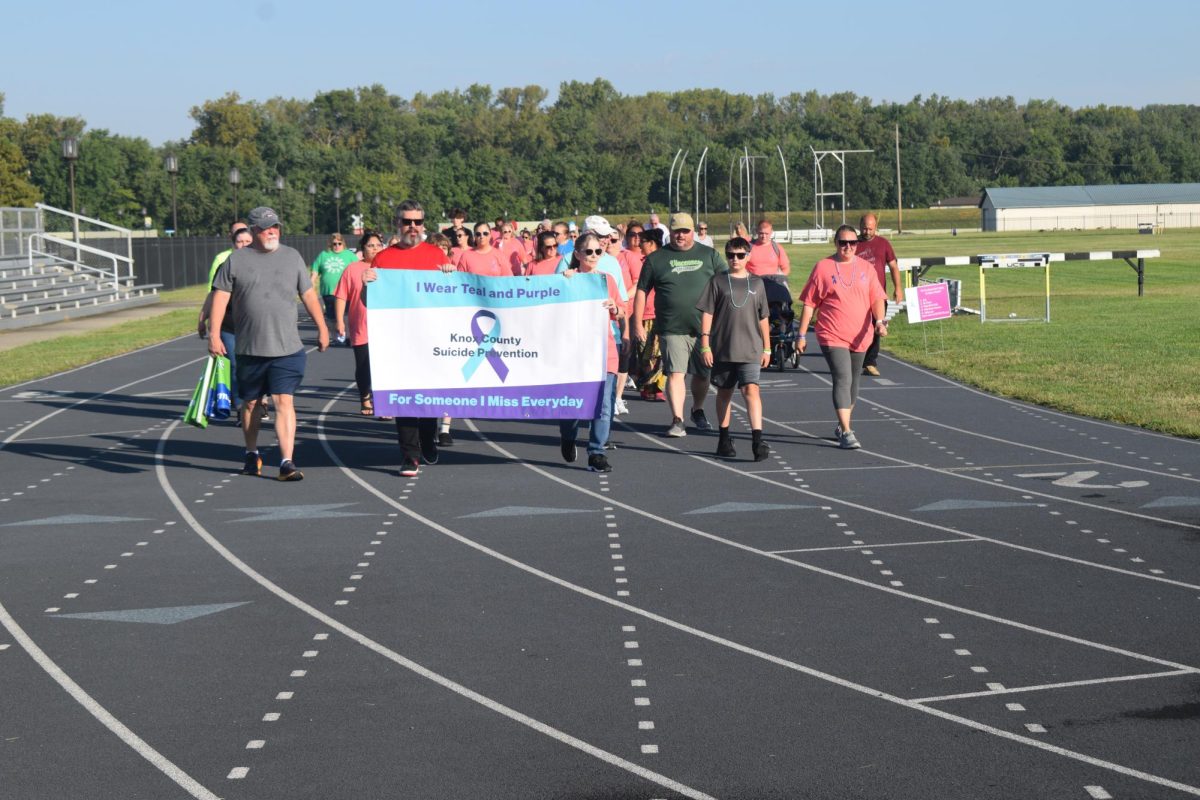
column 487, row 347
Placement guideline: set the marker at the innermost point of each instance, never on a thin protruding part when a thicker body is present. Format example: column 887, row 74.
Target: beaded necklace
column 842, row 278
column 749, row 291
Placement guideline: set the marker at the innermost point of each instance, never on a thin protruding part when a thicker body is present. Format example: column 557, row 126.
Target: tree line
column 511, row 152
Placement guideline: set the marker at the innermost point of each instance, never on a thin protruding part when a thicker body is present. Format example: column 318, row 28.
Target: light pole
column 172, row 164
column 376, row 215
column 70, row 151
column 337, row 199
column 312, row 204
column 280, row 183
column 235, row 178
column 358, row 202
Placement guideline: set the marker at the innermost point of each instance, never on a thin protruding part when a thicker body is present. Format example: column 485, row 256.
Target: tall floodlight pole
column 899, row 194
column 235, row 178
column 671, row 177
column 729, row 206
column 337, row 199
column 787, row 203
column 172, row 165
column 678, row 175
column 696, row 191
column 312, row 205
column 280, row 184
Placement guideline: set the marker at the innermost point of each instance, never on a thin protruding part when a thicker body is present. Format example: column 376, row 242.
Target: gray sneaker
column 676, row 430
column 848, row 441
column 837, row 433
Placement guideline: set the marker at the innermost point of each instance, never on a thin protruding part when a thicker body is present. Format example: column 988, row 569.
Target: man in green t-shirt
column 678, row 274
column 327, row 270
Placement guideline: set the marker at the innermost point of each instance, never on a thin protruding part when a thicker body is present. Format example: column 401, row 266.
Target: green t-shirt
column 678, row 278
column 329, row 266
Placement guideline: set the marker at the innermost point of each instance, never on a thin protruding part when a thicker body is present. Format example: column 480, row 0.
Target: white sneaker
column 620, row 407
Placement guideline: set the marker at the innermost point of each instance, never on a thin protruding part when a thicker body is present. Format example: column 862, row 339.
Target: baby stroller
column 783, row 326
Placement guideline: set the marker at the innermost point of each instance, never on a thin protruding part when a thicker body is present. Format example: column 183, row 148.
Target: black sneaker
column 253, row 465
column 725, row 448
column 429, row 451
column 410, row 469
column 699, row 420
column 288, row 472
column 445, row 439
column 568, row 449
column 761, row 451
column 599, row 463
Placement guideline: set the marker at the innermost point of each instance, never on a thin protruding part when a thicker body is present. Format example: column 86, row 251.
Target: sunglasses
column 460, row 235
column 588, row 251
column 415, row 222
column 681, row 231
column 339, row 244
column 737, row 256
column 847, row 242
column 482, row 233
column 548, row 245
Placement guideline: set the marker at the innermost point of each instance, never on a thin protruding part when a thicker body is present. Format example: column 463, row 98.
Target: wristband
column 766, row 351
column 705, row 349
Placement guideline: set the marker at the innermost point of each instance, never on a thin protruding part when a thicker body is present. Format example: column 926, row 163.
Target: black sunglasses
column 736, row 256
column 418, row 222
column 847, row 242
column 587, row 251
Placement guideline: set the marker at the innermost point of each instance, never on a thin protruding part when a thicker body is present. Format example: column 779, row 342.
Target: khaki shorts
column 680, row 354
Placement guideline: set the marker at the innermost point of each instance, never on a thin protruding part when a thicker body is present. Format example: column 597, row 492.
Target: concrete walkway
column 70, row 327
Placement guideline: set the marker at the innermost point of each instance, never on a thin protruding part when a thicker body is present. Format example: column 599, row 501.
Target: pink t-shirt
column 611, row 362
column 844, row 293
column 349, row 288
column 512, row 253
column 631, row 268
column 547, row 266
column 765, row 261
column 490, row 263
column 878, row 253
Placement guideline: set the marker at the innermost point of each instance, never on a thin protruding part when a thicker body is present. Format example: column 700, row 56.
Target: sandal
column 367, row 409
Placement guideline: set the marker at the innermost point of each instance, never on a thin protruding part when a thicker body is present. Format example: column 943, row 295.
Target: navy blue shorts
column 259, row 375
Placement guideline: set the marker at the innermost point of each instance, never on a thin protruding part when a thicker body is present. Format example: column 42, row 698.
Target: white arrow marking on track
column 1076, row 480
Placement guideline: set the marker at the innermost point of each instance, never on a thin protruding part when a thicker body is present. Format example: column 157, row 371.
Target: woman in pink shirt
column 348, row 297
column 546, row 257
column 631, row 259
column 512, row 251
column 846, row 289
column 483, row 259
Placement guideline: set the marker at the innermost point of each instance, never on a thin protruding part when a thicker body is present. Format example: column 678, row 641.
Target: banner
column 500, row 348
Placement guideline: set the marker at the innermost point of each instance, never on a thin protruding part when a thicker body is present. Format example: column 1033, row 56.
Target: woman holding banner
column 588, row 249
column 348, row 302
column 847, row 291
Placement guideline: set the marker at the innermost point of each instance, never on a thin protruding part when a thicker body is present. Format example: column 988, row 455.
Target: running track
column 990, row 600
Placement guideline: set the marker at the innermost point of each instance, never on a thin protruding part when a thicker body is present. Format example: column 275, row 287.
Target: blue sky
column 137, row 67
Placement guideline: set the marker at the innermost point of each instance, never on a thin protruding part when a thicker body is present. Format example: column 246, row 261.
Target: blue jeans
column 601, row 424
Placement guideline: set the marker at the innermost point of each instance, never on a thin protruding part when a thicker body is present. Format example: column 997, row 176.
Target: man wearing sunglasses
column 878, row 252
column 417, row 435
column 678, row 274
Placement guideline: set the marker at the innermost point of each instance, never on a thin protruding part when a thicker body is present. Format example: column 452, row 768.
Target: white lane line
column 666, row 621
column 711, row 463
column 381, row 649
column 127, row 736
column 860, row 546
column 237, row 773
column 1097, row 793
column 1063, row 685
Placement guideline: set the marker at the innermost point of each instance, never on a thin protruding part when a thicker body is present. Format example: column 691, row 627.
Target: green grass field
column 1106, row 352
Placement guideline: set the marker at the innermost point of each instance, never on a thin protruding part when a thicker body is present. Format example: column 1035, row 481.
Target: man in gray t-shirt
column 262, row 282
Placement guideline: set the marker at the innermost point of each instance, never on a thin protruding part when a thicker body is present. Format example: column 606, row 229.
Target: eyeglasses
column 681, row 231
column 737, row 256
column 548, row 245
column 588, row 251
column 482, row 233
column 339, row 244
column 415, row 222
column 847, row 242
column 460, row 235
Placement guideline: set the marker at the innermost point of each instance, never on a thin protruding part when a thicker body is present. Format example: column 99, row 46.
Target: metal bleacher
column 48, row 276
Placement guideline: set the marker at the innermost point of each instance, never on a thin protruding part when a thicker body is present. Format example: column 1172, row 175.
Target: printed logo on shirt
column 691, row 265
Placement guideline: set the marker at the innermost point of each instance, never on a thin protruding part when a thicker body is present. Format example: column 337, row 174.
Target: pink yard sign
column 928, row 302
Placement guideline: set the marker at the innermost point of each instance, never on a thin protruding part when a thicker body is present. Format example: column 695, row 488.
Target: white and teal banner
column 472, row 346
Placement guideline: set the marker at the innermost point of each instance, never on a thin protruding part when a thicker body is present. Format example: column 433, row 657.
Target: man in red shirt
column 417, row 435
column 877, row 250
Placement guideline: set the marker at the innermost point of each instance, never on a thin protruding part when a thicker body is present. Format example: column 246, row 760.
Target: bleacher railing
column 16, row 224
column 109, row 268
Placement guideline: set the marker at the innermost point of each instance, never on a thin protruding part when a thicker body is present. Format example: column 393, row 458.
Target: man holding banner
column 417, row 435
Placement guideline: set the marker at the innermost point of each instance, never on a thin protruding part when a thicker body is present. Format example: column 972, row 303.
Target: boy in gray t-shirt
column 735, row 341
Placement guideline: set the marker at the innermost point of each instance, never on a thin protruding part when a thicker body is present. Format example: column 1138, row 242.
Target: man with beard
column 262, row 281
column 878, row 252
column 417, row 435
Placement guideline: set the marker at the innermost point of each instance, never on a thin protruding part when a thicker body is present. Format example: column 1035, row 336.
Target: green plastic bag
column 197, row 410
column 220, row 401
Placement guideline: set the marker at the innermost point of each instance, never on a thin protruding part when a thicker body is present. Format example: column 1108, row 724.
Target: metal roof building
column 1083, row 207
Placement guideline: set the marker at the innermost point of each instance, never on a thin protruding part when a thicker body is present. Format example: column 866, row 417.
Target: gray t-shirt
column 264, row 288
column 737, row 306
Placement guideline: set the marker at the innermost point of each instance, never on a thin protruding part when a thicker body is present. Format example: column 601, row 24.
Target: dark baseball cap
column 263, row 218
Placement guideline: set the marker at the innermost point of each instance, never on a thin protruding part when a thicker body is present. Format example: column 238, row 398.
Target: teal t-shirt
column 328, row 268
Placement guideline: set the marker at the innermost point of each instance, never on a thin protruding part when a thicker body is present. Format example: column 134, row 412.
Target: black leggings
column 844, row 369
column 362, row 371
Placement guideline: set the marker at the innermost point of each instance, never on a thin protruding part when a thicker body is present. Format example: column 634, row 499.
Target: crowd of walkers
column 680, row 312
